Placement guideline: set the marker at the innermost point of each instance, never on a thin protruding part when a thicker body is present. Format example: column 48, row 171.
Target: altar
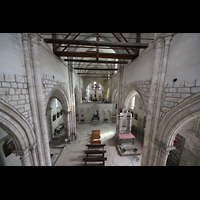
column 124, row 139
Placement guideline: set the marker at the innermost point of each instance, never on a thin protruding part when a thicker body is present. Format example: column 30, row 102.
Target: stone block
column 25, row 85
column 184, row 90
column 171, row 99
column 18, row 91
column 9, row 78
column 198, row 82
column 185, row 95
column 179, row 84
column 19, row 79
column 13, row 103
column 180, row 100
column 4, row 84
column 15, row 97
column 23, row 91
column 12, row 91
column 195, row 89
column 166, row 89
column 14, row 85
column 21, row 110
column 19, row 106
column 165, row 109
column 176, row 94
column 27, row 107
column 168, row 94
column 21, row 102
column 20, row 85
column 172, row 90
column 168, row 104
column 1, row 77
column 22, row 96
column 189, row 83
column 169, row 84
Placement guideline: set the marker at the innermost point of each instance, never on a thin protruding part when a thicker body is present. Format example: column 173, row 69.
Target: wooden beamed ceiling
column 97, row 45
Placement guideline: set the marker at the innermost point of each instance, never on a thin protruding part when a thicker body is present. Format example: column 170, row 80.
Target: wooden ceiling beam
column 97, row 43
column 95, row 69
column 94, row 61
column 120, row 41
column 94, row 55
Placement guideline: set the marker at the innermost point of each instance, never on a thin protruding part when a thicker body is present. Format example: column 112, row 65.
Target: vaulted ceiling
column 99, row 54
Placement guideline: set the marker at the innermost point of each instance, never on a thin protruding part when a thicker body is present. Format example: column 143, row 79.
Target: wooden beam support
column 97, row 43
column 94, row 55
column 99, row 61
column 95, row 69
column 61, row 43
column 127, row 41
column 73, row 39
column 120, row 41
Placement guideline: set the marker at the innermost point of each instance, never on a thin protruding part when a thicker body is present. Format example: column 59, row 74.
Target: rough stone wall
column 142, row 86
column 48, row 83
column 175, row 93
column 14, row 90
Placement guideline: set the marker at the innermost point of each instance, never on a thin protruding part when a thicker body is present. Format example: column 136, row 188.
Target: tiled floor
column 73, row 153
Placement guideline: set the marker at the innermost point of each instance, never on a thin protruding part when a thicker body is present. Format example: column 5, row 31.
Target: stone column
column 24, row 154
column 120, row 84
column 31, row 88
column 158, row 43
column 164, row 152
column 32, row 148
column 160, row 88
column 40, row 96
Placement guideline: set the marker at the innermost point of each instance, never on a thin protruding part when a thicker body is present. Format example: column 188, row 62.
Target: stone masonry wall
column 14, row 90
column 142, row 86
column 175, row 93
column 48, row 83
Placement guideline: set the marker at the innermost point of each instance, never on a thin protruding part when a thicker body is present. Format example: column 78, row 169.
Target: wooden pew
column 95, row 141
column 94, row 159
column 95, row 137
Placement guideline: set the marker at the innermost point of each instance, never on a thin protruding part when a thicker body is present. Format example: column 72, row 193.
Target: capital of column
column 167, row 40
column 32, row 147
column 21, row 152
column 158, row 43
column 25, row 36
column 34, row 38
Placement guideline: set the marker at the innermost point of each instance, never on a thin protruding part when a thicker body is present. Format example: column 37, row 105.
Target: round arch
column 16, row 125
column 172, row 123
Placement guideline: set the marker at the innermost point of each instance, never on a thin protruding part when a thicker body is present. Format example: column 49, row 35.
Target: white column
column 31, row 88
column 158, row 43
column 40, row 96
column 33, row 152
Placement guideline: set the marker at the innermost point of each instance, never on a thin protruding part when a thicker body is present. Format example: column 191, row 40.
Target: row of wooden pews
column 95, row 152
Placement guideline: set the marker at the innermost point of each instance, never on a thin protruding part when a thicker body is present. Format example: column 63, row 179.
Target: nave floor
column 73, row 153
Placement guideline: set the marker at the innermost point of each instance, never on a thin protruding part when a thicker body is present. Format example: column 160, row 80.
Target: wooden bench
column 95, row 137
column 95, row 159
column 96, row 134
column 95, row 152
column 95, row 146
column 95, row 141
column 95, row 131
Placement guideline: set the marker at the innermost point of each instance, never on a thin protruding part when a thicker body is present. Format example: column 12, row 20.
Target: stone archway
column 60, row 92
column 171, row 124
column 129, row 94
column 21, row 131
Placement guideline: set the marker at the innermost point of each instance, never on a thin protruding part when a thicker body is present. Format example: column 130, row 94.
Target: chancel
column 119, row 99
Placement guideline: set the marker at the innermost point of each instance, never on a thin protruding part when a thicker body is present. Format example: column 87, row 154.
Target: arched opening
column 178, row 121
column 21, row 140
column 94, row 92
column 187, row 145
column 58, row 113
column 133, row 100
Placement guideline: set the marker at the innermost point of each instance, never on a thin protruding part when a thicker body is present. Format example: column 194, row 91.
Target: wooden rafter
column 120, row 41
column 61, row 43
column 94, row 61
column 94, row 55
column 127, row 41
column 95, row 43
column 73, row 39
